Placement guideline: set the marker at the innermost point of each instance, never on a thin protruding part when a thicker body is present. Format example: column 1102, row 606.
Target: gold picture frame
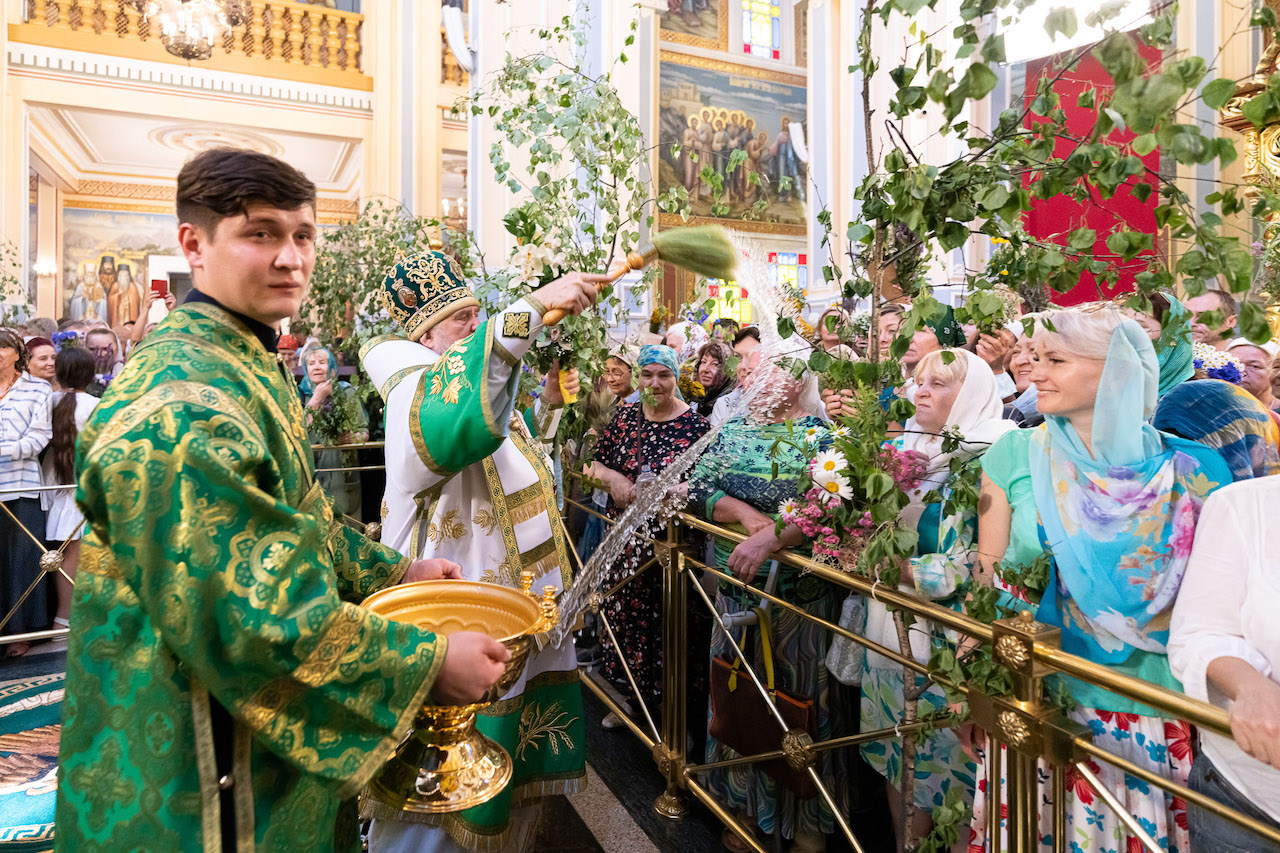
column 695, row 39
column 663, row 169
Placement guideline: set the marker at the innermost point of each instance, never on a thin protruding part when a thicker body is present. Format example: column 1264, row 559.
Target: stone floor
column 615, row 813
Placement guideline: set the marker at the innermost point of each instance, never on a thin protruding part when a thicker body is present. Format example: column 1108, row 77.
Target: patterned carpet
column 30, row 717
column 613, row 815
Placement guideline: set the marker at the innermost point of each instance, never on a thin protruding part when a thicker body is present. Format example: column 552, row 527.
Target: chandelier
column 189, row 28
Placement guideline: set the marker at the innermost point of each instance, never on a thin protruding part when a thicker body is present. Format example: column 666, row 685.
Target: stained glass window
column 790, row 271
column 762, row 28
column 731, row 301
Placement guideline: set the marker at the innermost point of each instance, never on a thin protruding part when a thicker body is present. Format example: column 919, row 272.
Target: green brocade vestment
column 214, row 571
column 467, row 482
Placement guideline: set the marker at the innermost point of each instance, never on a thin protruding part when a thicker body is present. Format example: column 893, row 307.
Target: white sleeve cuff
column 515, row 328
column 1190, row 660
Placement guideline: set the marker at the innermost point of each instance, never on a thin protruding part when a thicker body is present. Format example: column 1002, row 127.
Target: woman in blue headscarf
column 1114, row 502
column 334, row 416
column 1169, row 326
column 642, row 440
column 1227, row 418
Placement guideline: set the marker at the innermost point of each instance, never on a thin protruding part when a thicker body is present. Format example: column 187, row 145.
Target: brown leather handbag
column 742, row 721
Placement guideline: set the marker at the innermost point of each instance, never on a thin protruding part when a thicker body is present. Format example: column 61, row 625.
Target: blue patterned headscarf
column 306, row 385
column 663, row 355
column 1119, row 521
column 1227, row 418
column 1174, row 347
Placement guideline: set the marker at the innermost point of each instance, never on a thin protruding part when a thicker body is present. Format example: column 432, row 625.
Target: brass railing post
column 1019, row 722
column 670, row 751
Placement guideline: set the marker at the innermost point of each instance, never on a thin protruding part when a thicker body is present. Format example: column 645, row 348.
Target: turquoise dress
column 739, row 464
column 943, row 561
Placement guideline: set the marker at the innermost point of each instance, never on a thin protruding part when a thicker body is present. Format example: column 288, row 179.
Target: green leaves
column 1129, row 244
column 1252, row 322
column 1216, row 93
column 1061, row 20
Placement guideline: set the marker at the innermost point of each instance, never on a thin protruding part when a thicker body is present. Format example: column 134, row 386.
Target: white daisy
column 840, row 432
column 788, row 508
column 826, row 465
column 837, row 487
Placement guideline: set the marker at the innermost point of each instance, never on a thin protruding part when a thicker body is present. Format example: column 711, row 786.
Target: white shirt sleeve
column 1207, row 615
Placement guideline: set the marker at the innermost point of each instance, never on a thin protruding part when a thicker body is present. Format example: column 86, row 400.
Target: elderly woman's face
column 660, row 381
column 617, row 375
column 1020, row 364
column 317, row 366
column 935, row 395
column 779, row 390
column 708, row 370
column 8, row 359
column 40, row 362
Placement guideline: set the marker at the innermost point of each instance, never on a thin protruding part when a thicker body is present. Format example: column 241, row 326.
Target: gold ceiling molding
column 732, row 68
column 337, row 205
column 120, row 189
column 168, row 192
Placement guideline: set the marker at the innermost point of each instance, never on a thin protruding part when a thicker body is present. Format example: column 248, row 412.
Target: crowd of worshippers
column 1143, row 463
column 1100, row 438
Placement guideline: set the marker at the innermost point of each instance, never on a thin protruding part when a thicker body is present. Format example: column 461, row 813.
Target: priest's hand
column 473, row 662
column 560, row 382
column 572, row 293
column 432, row 570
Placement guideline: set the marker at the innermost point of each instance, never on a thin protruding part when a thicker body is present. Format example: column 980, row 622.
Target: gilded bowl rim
column 513, row 596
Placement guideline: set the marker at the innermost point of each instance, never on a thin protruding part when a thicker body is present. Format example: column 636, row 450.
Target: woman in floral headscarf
column 641, row 440
column 334, row 416
column 709, row 377
column 1114, row 502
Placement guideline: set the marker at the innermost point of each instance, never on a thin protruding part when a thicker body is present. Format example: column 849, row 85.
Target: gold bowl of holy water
column 445, row 764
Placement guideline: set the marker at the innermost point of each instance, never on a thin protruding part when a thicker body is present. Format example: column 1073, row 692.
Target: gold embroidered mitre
column 423, row 289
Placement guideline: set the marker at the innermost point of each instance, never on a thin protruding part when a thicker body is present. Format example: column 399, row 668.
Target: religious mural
column 710, row 109
column 704, row 23
column 104, row 261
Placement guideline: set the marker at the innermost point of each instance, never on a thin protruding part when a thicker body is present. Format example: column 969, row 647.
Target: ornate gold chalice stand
column 445, row 765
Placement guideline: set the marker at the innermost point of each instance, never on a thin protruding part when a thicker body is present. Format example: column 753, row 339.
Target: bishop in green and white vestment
column 467, row 482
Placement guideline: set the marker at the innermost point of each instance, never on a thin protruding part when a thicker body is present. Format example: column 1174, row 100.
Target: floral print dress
column 629, row 443
column 740, row 464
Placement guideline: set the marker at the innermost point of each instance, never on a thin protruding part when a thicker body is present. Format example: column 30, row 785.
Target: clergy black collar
column 264, row 333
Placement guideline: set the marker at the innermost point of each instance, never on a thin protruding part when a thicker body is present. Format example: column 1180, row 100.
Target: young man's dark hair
column 748, row 332
column 223, row 182
column 1226, row 302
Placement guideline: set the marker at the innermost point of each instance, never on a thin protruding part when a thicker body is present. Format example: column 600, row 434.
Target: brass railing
column 1020, row 728
column 1026, row 728
column 279, row 38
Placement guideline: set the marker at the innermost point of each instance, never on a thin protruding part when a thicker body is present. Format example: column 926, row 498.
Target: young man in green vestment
column 225, row 690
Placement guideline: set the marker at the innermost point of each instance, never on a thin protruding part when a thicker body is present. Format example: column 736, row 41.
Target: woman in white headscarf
column 956, row 392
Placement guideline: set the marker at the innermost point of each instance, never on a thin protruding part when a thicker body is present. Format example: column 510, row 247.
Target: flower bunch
column 690, row 388
column 534, row 262
column 813, row 514
column 1217, row 364
column 907, row 469
column 65, row 339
